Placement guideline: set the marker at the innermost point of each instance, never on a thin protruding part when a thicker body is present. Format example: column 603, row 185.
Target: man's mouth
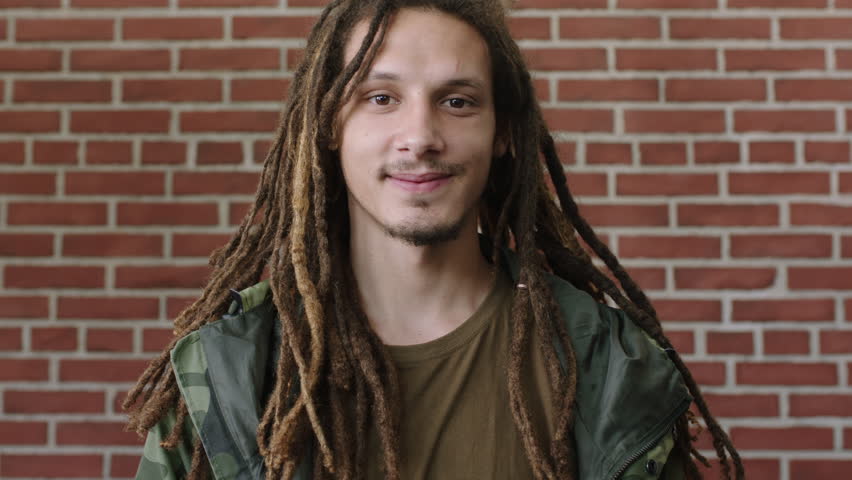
column 420, row 182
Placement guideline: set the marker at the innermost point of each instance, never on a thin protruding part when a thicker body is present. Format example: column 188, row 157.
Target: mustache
column 430, row 164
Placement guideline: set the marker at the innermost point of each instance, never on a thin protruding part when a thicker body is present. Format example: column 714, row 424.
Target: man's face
column 417, row 136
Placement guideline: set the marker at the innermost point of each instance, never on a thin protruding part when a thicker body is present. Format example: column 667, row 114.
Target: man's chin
column 424, row 236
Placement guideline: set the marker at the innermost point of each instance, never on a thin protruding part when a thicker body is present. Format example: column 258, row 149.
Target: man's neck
column 416, row 294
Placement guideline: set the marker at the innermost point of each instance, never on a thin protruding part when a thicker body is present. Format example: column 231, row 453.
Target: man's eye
column 381, row 100
column 458, row 102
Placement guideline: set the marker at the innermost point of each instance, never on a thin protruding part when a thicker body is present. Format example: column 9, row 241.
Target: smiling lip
column 420, row 183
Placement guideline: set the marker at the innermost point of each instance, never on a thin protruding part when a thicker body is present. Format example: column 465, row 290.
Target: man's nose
column 419, row 130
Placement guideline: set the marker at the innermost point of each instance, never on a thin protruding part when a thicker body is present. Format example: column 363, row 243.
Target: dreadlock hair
column 297, row 229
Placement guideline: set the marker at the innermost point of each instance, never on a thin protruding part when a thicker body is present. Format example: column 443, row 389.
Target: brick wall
column 708, row 139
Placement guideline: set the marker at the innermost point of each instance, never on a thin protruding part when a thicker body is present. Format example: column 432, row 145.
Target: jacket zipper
column 648, row 446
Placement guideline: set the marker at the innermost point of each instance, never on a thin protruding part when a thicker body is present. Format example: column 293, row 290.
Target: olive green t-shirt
column 456, row 420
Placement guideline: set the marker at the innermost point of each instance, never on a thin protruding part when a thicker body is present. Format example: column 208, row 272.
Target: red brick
column 579, row 120
column 21, row 121
column 172, row 28
column 596, row 90
column 779, row 183
column 835, row 341
column 168, row 214
column 829, row 28
column 555, row 59
column 609, row 27
column 787, row 374
column 827, row 152
column 90, row 370
column 124, row 466
column 12, row 153
column 689, row 4
column 771, row 152
column 156, row 339
column 819, row 405
column 120, row 121
column 27, row 276
column 721, row 28
column 774, row 59
column 23, row 433
column 717, row 152
column 232, row 3
column 111, row 245
column 52, row 401
column 259, row 89
column 532, row 28
column 822, row 469
column 109, row 340
column 223, row 183
column 587, row 184
column 730, row 342
column 847, row 442
column 217, row 153
column 30, row 60
column 786, row 342
column 102, row 153
column 648, row 278
column 657, row 246
column 724, row 278
column 776, row 3
column 119, row 3
column 682, row 341
column 666, row 184
column 10, row 339
column 197, row 244
column 23, row 370
column 228, row 121
column 846, row 246
column 230, row 59
column 52, row 213
column 688, row 310
column 708, row 373
column 171, row 153
column 63, row 29
column 784, row 120
column 23, row 307
column 50, row 466
column 161, row 276
column 665, row 59
column 662, row 153
column 108, row 308
column 674, row 121
column 727, row 215
column 845, row 183
column 843, row 59
column 625, row 215
column 12, row 183
column 786, row 246
column 176, row 305
column 172, row 90
column 30, row 3
column 62, row 91
column 54, row 339
column 715, row 90
column 64, row 153
column 268, row 26
column 608, row 153
column 95, row 433
column 742, row 405
column 820, row 214
column 236, row 212
column 784, row 310
column 115, row 59
column 810, row 278
column 813, row 89
column 114, row 183
column 782, row 438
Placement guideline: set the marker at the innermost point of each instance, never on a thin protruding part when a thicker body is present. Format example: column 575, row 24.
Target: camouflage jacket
column 629, row 392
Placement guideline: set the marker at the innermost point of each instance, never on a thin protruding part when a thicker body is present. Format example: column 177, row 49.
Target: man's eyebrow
column 453, row 82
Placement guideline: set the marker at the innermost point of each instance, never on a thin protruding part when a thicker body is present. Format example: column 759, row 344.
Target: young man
column 429, row 313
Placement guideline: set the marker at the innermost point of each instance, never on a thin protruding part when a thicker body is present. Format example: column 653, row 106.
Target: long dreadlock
column 297, row 229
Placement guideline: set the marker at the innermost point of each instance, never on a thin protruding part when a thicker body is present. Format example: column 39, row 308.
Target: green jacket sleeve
column 659, row 463
column 157, row 462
